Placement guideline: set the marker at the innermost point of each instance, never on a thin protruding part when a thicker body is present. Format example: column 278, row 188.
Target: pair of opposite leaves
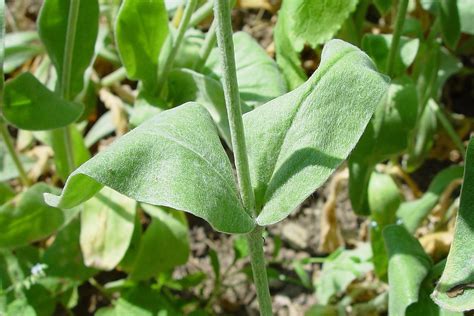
column 295, row 142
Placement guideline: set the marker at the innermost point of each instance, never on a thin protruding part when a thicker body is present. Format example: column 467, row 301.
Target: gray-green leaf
column 302, row 21
column 295, row 142
column 455, row 289
column 187, row 85
column 407, row 268
column 29, row 105
column 466, row 15
column 141, row 30
column 53, row 28
column 258, row 75
column 174, row 159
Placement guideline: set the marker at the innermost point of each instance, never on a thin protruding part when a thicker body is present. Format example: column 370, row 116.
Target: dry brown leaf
column 116, row 106
column 437, row 244
column 445, row 200
column 125, row 93
column 330, row 235
column 399, row 172
column 270, row 5
column 41, row 154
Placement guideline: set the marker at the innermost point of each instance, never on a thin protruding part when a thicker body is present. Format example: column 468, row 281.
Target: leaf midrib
column 182, row 144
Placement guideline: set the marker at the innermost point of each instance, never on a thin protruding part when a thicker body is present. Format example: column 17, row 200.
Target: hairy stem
column 169, row 60
column 234, row 112
column 260, row 279
column 65, row 79
column 232, row 100
column 402, row 11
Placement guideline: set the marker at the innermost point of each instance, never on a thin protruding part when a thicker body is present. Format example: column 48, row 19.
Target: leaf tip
column 52, row 199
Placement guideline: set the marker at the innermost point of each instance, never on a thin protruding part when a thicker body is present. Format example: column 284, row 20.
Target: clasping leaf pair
column 295, row 142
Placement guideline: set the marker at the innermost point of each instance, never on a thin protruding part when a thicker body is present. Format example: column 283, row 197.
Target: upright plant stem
column 234, row 113
column 260, row 279
column 169, row 60
column 3, row 127
column 11, row 150
column 65, row 80
column 402, row 11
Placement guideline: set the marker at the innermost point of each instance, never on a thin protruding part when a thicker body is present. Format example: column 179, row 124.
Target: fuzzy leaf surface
column 258, row 75
column 141, row 30
column 52, row 26
column 186, row 85
column 174, row 159
column 29, row 105
column 455, row 289
column 295, row 142
column 408, row 266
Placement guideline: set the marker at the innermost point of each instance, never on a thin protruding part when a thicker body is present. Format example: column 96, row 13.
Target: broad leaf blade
column 174, row 159
column 107, row 223
column 455, row 289
column 258, row 75
column 286, row 55
column 315, row 22
column 141, row 30
column 186, row 85
column 296, row 141
column 53, row 25
column 378, row 46
column 28, row 218
column 408, row 266
column 64, row 258
column 29, row 105
column 163, row 246
column 466, row 16
column 450, row 22
column 395, row 115
column 300, row 22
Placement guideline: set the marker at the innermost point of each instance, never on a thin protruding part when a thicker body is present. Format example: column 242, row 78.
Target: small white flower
column 38, row 270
